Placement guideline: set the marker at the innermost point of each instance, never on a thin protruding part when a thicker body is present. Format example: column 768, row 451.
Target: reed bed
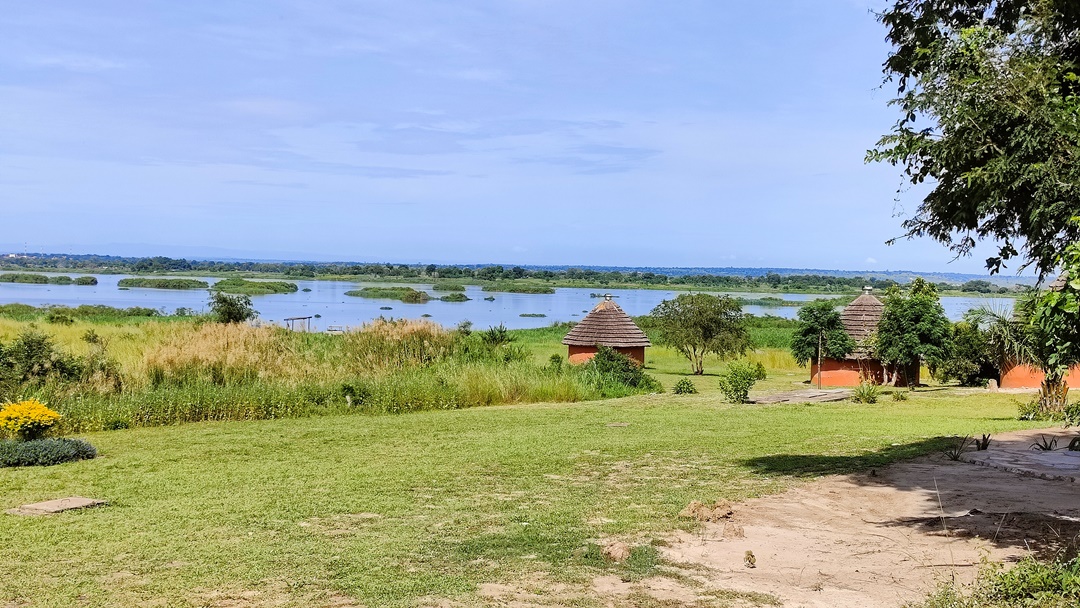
column 154, row 373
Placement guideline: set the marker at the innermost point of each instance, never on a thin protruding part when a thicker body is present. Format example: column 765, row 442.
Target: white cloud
column 75, row 63
column 871, row 261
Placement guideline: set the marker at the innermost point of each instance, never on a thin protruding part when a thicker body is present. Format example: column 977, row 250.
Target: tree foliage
column 969, row 359
column 913, row 328
column 819, row 323
column 698, row 324
column 990, row 119
column 228, row 308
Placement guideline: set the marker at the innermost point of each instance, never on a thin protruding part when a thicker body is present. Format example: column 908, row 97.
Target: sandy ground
column 882, row 538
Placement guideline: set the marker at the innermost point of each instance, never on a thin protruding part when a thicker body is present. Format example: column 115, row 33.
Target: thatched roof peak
column 607, row 325
column 860, row 319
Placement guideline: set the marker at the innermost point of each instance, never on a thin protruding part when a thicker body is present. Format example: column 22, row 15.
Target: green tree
column 698, row 324
column 1055, row 319
column 820, row 326
column 989, row 100
column 969, row 359
column 228, row 308
column 913, row 328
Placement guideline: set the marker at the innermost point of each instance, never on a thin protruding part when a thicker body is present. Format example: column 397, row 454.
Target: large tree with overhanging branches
column 989, row 100
column 990, row 121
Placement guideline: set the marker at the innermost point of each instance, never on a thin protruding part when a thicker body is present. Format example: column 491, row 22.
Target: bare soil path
column 885, row 537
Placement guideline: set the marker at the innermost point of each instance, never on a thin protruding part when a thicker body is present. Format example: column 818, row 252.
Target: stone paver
column 1013, row 452
column 825, row 395
column 57, row 506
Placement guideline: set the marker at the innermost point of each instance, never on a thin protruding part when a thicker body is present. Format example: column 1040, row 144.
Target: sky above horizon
column 625, row 133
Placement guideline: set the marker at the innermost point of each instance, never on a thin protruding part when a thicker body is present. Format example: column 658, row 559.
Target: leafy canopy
column 228, row 308
column 913, row 328
column 990, row 119
column 698, row 324
column 819, row 323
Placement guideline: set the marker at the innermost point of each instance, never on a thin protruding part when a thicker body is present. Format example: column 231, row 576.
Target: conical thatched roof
column 1059, row 283
column 607, row 325
column 860, row 319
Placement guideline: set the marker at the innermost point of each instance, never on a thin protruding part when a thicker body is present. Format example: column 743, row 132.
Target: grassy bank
column 107, row 375
column 253, row 288
column 411, row 510
column 41, row 279
column 403, row 294
column 151, row 283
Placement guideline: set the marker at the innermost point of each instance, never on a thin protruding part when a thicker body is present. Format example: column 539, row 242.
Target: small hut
column 860, row 319
column 606, row 325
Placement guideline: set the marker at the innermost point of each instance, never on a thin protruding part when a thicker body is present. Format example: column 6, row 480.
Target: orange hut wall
column 581, row 354
column 1023, row 376
column 848, row 372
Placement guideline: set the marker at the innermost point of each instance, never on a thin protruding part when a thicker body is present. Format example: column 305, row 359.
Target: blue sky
column 695, row 133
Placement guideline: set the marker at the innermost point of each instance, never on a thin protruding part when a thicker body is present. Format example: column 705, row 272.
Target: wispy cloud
column 74, row 62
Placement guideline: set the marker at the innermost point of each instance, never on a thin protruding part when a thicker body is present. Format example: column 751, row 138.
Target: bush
column 866, row 392
column 1029, row 583
column 684, row 387
column 231, row 308
column 27, row 420
column 86, row 281
column 58, row 318
column 899, row 395
column 739, row 378
column 613, row 373
column 44, row 452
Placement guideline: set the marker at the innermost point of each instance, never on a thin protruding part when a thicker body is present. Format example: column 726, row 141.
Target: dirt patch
column 885, row 538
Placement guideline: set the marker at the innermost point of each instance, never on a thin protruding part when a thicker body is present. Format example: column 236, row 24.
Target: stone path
column 56, row 506
column 1013, row 452
column 806, row 396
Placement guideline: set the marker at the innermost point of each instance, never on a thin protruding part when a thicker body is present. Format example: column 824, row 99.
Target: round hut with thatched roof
column 606, row 325
column 860, row 319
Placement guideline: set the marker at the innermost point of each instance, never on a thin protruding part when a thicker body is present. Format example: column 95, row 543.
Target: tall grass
column 169, row 373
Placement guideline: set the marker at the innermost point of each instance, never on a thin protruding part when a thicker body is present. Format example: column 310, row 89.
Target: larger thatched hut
column 606, row 325
column 860, row 319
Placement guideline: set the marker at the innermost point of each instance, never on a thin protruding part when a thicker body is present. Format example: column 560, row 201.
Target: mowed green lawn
column 402, row 510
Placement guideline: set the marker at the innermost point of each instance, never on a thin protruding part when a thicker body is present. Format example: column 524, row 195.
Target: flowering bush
column 28, row 419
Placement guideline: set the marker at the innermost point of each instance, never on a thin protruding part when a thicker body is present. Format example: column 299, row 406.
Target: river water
column 328, row 299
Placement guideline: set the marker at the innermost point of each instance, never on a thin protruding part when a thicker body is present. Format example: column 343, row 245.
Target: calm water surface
column 328, row 299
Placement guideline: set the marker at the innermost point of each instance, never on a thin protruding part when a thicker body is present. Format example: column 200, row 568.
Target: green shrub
column 231, row 308
column 44, row 452
column 739, row 377
column 615, row 374
column 684, row 387
column 24, row 277
column 448, row 286
column 1030, row 583
column 866, row 392
column 58, row 318
column 60, row 280
column 455, row 297
column 86, row 280
column 899, row 395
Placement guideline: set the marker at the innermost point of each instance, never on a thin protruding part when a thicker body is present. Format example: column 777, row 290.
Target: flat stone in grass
column 56, row 506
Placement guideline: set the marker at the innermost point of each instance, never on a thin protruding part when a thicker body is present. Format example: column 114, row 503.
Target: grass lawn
column 397, row 510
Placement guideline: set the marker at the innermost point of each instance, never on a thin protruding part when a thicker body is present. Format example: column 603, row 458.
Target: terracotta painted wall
column 581, row 354
column 847, row 372
column 1023, row 376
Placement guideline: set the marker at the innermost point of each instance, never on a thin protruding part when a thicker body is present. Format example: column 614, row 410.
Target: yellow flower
column 28, row 419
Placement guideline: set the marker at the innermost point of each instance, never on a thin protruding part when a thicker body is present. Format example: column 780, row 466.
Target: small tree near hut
column 699, row 324
column 820, row 334
column 913, row 328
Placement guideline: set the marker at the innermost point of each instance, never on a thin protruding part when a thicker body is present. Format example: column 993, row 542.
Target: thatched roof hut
column 860, row 319
column 606, row 325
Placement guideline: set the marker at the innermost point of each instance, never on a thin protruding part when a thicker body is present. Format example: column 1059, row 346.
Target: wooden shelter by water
column 606, row 325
